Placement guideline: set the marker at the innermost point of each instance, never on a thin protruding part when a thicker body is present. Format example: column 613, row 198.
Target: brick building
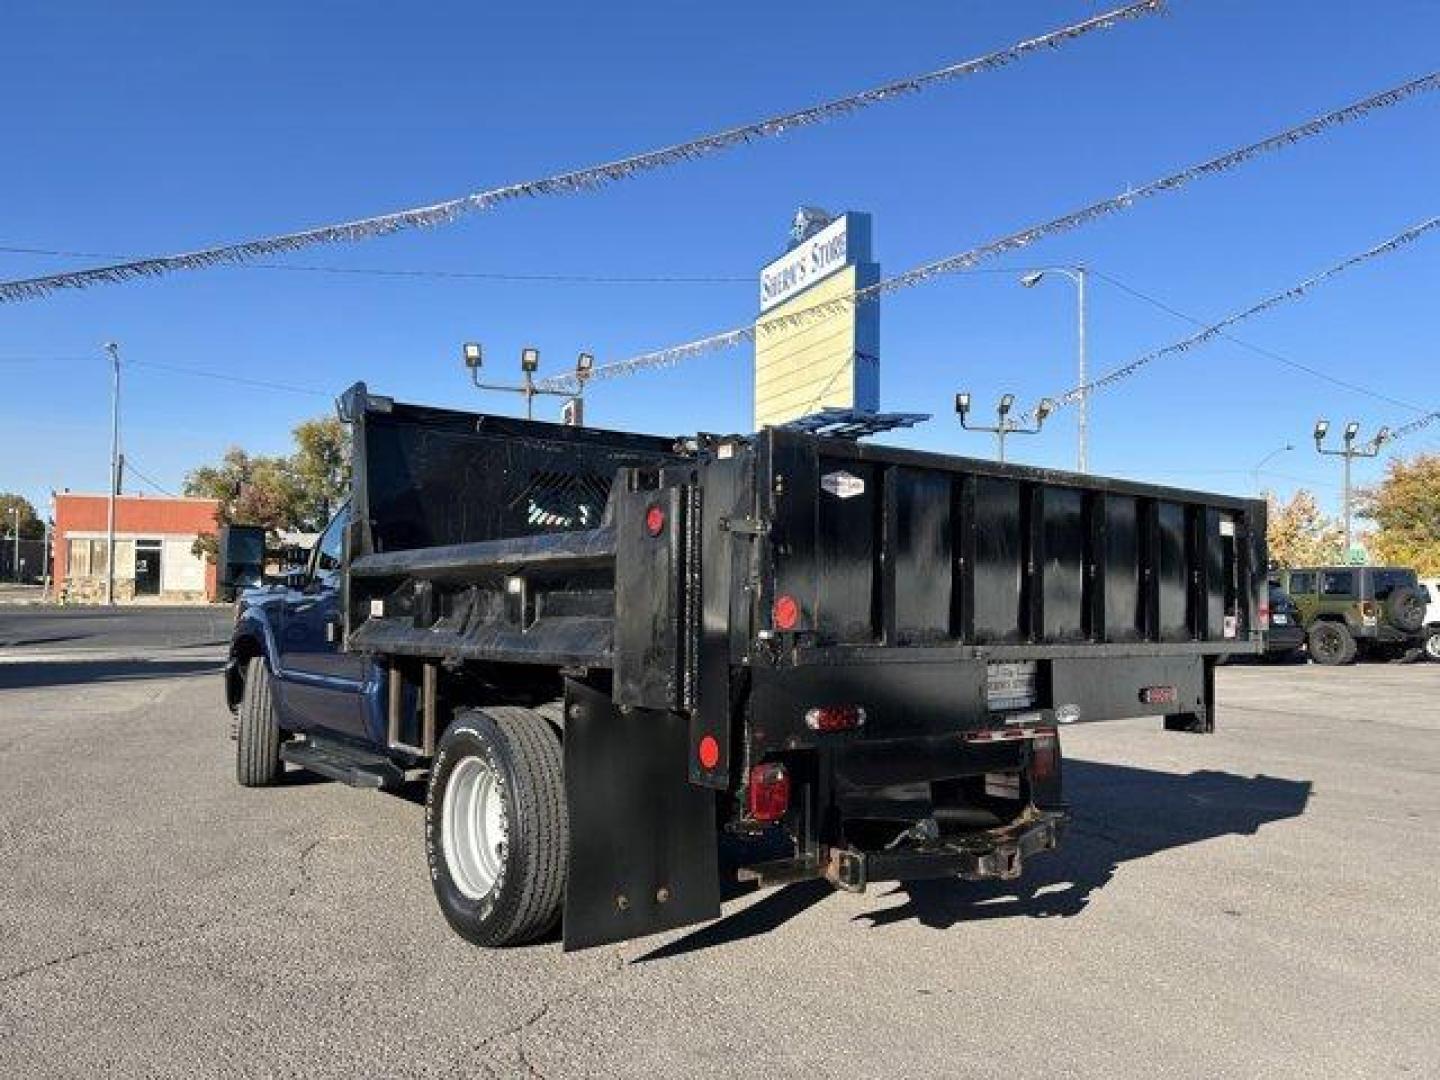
column 153, row 540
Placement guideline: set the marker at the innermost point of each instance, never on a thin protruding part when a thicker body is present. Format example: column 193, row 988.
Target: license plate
column 1280, row 620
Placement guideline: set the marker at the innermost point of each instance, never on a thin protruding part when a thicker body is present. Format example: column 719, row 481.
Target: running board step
column 358, row 768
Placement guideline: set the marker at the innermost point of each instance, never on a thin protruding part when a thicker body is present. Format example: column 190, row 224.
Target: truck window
column 1387, row 581
column 1301, row 584
column 1337, row 583
column 330, row 549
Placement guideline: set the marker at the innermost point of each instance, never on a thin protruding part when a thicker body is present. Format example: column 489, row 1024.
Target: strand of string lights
column 964, row 261
column 579, row 180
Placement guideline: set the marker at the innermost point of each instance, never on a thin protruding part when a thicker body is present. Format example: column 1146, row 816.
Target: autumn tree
column 294, row 492
column 1405, row 507
column 1300, row 535
column 321, row 468
column 31, row 527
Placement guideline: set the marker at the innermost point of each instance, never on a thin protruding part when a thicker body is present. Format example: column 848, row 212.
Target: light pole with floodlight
column 1004, row 425
column 474, row 357
column 1077, row 275
column 1349, row 452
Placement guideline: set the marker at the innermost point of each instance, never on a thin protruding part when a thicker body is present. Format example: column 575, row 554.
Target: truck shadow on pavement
column 1120, row 813
column 25, row 676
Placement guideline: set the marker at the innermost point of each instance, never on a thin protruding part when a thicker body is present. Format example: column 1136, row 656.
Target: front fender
column 254, row 635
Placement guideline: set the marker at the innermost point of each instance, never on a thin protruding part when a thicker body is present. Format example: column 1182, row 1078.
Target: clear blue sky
column 150, row 128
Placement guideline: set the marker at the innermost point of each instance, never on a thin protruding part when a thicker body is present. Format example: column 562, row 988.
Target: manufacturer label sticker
column 842, row 485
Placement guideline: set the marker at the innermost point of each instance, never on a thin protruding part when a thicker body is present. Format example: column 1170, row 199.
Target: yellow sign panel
column 811, row 365
column 822, row 360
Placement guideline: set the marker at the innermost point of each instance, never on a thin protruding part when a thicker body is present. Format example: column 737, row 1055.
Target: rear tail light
column 1265, row 616
column 1369, row 608
column 835, row 718
column 787, row 612
column 769, row 794
column 654, row 520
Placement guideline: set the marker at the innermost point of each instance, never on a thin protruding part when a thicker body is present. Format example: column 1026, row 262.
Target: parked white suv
column 1430, row 588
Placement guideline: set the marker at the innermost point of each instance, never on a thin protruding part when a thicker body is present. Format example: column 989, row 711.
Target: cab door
column 321, row 687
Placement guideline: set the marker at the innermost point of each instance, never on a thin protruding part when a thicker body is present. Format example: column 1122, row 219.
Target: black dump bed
column 492, row 538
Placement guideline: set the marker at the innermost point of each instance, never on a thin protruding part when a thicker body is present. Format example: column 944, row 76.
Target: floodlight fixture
column 1351, row 430
column 1321, row 427
column 1006, row 402
column 584, row 365
column 474, row 355
column 529, row 360
column 1044, row 409
column 1032, row 279
column 962, row 403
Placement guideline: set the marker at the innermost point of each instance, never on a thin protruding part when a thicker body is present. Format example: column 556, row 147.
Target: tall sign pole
column 114, row 350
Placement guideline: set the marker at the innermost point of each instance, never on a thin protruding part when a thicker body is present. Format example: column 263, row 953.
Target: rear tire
column 1432, row 643
column 258, row 736
column 1331, row 644
column 496, row 832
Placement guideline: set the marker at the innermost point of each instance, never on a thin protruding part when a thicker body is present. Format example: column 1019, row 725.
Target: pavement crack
column 521, row 1028
column 136, row 945
column 302, row 868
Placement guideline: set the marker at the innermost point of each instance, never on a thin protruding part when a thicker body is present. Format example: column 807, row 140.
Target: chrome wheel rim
column 474, row 828
column 1432, row 646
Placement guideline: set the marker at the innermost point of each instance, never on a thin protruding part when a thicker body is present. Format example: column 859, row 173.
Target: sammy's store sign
column 811, row 261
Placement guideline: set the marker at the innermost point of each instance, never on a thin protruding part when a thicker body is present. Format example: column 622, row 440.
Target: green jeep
column 1349, row 610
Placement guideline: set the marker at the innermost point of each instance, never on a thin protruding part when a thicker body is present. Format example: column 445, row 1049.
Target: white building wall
column 180, row 569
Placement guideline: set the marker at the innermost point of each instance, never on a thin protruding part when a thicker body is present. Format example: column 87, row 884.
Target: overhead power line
column 1259, row 350
column 175, row 369
column 964, row 261
column 1295, row 292
column 130, row 466
column 570, row 182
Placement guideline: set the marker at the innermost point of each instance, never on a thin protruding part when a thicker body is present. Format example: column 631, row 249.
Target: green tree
column 1405, row 507
column 298, row 491
column 1298, row 534
column 31, row 527
column 321, row 468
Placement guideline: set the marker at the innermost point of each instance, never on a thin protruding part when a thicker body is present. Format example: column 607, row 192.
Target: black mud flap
column 643, row 850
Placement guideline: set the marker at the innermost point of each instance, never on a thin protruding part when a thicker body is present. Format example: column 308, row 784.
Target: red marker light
column 787, row 612
column 654, row 520
column 708, row 752
column 835, row 718
column 1159, row 695
column 769, row 794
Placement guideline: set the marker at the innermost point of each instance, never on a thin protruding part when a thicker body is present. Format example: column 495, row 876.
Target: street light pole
column 15, row 569
column 1255, row 472
column 114, row 350
column 1078, row 275
column 1349, row 452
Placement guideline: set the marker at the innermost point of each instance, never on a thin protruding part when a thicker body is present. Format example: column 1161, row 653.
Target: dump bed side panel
column 884, row 547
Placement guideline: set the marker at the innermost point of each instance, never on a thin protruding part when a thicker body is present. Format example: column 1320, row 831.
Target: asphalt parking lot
column 1262, row 901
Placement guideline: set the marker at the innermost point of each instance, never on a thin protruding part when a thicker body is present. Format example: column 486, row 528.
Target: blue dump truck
column 600, row 652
